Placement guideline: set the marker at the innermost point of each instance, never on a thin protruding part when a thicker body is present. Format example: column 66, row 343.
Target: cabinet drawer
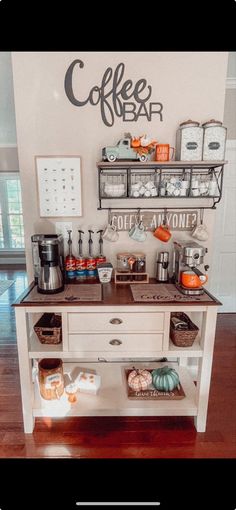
column 135, row 344
column 115, row 321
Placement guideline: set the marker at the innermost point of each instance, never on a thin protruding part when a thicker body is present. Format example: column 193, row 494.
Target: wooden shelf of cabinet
column 195, row 351
column 39, row 350
column 112, row 399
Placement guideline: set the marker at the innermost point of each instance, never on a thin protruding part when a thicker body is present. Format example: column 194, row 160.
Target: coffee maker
column 38, row 238
column 188, row 256
column 50, row 279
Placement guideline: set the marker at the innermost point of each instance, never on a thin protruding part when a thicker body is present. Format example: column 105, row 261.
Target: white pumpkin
column 139, row 379
column 145, row 141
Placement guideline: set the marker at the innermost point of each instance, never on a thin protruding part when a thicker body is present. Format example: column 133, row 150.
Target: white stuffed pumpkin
column 139, row 379
column 145, row 141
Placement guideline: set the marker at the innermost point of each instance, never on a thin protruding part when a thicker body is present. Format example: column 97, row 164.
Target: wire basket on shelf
column 49, row 329
column 183, row 338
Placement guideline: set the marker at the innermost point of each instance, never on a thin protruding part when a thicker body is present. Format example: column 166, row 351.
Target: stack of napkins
column 88, row 383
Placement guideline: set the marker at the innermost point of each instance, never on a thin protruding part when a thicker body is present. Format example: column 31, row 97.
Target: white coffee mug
column 137, row 232
column 200, row 232
column 110, row 233
column 149, row 185
column 154, row 192
column 212, row 188
column 185, row 184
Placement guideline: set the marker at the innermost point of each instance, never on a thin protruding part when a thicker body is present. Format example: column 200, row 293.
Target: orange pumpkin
column 135, row 142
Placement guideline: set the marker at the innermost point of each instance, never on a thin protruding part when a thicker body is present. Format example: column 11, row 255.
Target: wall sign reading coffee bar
column 114, row 95
column 183, row 220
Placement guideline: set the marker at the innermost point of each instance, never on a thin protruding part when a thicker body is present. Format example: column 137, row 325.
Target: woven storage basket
column 183, row 338
column 48, row 329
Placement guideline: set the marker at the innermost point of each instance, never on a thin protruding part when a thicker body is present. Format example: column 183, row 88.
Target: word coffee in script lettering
column 115, row 95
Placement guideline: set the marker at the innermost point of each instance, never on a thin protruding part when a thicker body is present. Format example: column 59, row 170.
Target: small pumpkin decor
column 135, row 142
column 139, row 379
column 165, row 379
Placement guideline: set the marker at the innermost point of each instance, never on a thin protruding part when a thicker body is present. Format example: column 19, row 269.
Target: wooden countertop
column 114, row 295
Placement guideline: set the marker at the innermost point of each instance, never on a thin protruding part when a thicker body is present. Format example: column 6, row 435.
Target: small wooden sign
column 152, row 393
column 176, row 220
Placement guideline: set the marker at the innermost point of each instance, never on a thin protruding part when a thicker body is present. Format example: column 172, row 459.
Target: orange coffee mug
column 162, row 233
column 163, row 152
column 191, row 280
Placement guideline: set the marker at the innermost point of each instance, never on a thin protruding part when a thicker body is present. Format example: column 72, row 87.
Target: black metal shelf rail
column 157, row 169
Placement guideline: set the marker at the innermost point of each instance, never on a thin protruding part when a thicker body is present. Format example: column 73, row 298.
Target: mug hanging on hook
column 110, row 232
column 137, row 231
column 162, row 232
column 200, row 230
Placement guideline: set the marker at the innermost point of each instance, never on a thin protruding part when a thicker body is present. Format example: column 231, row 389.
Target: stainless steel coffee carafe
column 50, row 279
column 162, row 266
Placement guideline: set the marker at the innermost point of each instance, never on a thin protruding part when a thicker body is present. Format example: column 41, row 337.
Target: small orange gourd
column 135, row 142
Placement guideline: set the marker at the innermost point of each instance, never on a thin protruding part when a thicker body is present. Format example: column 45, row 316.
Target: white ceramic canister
column 189, row 141
column 214, row 140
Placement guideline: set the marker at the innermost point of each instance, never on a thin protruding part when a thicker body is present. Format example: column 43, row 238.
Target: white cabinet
column 123, row 344
column 107, row 339
column 115, row 322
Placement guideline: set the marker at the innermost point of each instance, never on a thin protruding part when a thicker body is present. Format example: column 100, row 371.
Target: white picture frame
column 59, row 186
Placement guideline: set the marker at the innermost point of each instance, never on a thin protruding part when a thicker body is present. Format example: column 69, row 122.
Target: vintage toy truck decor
column 123, row 150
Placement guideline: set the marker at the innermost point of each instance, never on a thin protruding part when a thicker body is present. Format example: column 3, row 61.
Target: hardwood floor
column 132, row 437
column 7, row 314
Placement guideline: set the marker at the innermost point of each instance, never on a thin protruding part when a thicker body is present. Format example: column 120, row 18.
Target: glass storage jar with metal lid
column 140, row 262
column 123, row 262
column 189, row 141
column 139, row 265
column 214, row 140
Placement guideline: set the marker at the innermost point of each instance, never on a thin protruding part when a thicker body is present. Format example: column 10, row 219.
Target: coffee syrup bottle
column 91, row 260
column 70, row 262
column 81, row 262
column 100, row 258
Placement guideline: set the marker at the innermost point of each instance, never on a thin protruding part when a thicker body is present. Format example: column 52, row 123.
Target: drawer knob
column 116, row 321
column 115, row 342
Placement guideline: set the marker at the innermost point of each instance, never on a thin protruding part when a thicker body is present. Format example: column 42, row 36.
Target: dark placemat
column 151, row 393
column 71, row 293
column 161, row 292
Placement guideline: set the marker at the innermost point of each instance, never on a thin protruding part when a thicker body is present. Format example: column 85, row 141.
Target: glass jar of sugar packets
column 189, row 141
column 214, row 140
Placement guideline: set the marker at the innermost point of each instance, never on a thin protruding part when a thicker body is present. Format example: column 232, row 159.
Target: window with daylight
column 11, row 218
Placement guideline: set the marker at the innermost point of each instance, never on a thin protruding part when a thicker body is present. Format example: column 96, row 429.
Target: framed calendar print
column 59, row 185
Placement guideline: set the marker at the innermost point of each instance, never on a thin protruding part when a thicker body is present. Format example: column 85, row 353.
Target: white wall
column 190, row 85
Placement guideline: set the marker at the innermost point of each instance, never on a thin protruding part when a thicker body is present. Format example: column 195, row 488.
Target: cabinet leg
column 25, row 368
column 29, row 424
column 200, row 423
column 204, row 367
